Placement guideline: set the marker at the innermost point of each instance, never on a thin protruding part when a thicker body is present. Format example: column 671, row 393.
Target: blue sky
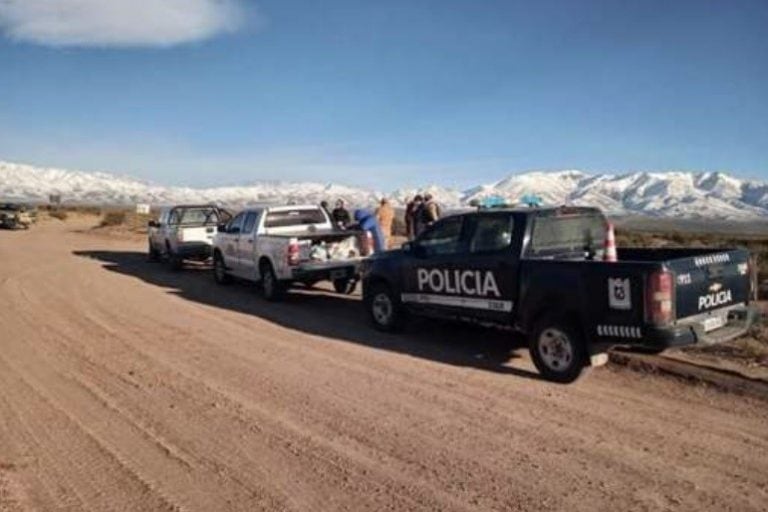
column 385, row 94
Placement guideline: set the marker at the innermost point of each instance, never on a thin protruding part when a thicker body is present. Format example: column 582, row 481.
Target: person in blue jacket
column 367, row 221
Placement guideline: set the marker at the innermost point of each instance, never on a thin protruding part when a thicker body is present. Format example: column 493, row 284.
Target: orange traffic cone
column 610, row 244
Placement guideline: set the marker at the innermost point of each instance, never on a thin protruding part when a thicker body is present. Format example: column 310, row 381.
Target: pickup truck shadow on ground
column 322, row 313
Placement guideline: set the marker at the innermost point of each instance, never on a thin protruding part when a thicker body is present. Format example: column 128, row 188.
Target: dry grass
column 115, row 218
column 756, row 244
column 124, row 220
column 58, row 214
column 73, row 209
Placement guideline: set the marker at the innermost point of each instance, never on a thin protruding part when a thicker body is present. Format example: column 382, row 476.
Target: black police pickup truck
column 542, row 272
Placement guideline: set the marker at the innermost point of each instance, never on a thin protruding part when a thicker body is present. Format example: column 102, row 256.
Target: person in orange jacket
column 385, row 215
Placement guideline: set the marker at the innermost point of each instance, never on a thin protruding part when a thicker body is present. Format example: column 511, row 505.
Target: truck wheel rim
column 382, row 308
column 555, row 349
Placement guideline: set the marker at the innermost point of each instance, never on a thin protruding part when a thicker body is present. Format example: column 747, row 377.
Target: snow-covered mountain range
column 673, row 194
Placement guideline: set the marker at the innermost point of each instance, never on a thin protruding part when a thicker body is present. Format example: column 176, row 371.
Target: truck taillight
column 293, row 252
column 659, row 298
column 367, row 244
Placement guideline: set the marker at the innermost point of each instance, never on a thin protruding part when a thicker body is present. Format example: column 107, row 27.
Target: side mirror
column 221, row 228
column 153, row 224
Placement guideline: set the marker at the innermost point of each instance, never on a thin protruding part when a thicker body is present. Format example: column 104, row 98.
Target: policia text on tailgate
column 545, row 273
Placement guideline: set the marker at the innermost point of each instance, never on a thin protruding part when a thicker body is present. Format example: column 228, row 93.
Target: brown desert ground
column 125, row 386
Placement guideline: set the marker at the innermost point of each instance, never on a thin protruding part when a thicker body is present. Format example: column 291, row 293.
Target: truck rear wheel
column 175, row 262
column 345, row 286
column 271, row 288
column 384, row 308
column 558, row 350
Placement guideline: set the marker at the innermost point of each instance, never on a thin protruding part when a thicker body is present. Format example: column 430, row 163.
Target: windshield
column 559, row 235
column 297, row 217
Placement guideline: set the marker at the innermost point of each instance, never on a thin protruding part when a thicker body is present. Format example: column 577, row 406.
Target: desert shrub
column 85, row 209
column 58, row 214
column 115, row 218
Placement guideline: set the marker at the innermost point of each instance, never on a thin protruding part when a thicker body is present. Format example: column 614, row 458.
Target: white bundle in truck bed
column 336, row 251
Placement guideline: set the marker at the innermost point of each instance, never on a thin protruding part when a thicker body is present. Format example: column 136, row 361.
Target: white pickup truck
column 281, row 245
column 184, row 232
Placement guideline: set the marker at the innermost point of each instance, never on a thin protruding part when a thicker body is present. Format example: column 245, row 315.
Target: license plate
column 714, row 322
column 338, row 274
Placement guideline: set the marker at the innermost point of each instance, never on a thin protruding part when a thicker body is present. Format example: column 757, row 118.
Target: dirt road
column 124, row 386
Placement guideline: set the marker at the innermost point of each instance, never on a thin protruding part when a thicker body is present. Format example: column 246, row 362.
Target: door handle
column 250, row 240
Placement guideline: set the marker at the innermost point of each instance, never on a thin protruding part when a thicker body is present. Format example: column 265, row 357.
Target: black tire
column 175, row 262
column 153, row 254
column 220, row 270
column 558, row 349
column 271, row 288
column 345, row 286
column 384, row 308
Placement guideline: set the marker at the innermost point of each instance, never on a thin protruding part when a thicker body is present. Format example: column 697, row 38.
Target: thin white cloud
column 121, row 23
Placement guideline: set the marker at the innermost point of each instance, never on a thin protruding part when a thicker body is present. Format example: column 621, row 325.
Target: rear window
column 298, row 217
column 197, row 216
column 567, row 234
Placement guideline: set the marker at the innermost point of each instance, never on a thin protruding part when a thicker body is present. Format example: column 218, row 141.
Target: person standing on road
column 385, row 215
column 341, row 215
column 411, row 209
column 326, row 208
column 367, row 221
column 430, row 211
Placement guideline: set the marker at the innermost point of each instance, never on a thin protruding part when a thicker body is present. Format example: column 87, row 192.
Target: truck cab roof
column 283, row 207
column 553, row 211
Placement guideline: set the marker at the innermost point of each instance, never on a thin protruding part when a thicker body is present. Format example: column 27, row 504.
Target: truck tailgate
column 710, row 281
column 197, row 234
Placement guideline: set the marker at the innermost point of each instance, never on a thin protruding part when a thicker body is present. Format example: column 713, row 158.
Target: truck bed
column 320, row 234
column 705, row 284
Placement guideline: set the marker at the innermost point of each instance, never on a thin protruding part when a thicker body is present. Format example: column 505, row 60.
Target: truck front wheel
column 384, row 308
column 153, row 254
column 557, row 350
column 220, row 274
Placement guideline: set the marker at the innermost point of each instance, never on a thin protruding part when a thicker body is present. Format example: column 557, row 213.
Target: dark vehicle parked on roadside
column 17, row 216
column 541, row 272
